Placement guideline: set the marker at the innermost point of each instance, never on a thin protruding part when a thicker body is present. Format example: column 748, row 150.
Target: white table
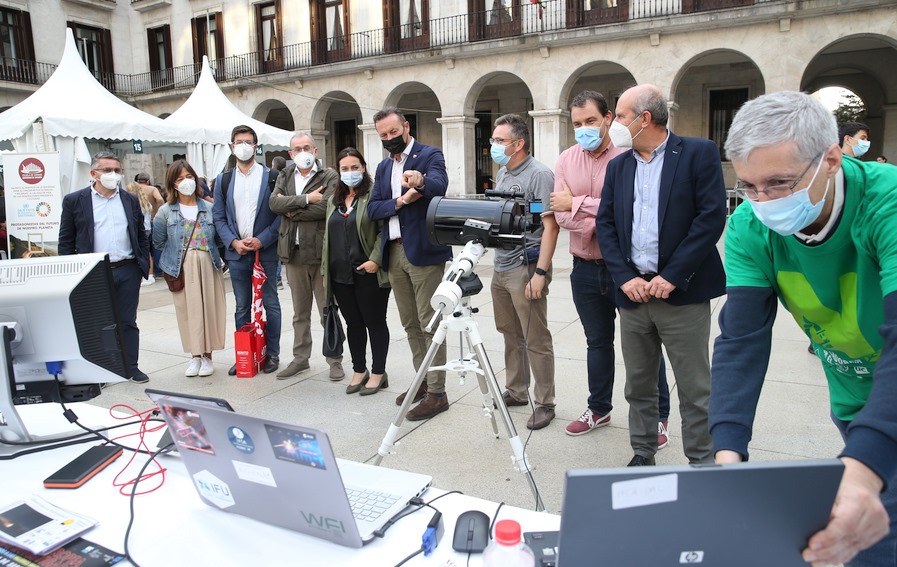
column 173, row 527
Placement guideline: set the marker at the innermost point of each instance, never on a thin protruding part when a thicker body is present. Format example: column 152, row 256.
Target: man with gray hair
column 300, row 197
column 103, row 218
column 819, row 235
column 522, row 275
column 662, row 211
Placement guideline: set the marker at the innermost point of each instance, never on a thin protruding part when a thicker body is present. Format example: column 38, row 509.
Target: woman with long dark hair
column 185, row 233
column 351, row 268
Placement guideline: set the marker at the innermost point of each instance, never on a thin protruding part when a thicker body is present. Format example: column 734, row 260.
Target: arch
column 421, row 107
column 274, row 113
column 608, row 78
column 494, row 80
column 335, row 120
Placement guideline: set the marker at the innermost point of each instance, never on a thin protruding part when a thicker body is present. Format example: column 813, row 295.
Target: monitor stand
column 12, row 428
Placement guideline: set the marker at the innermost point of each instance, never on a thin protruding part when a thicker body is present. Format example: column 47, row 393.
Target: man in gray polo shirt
column 522, row 275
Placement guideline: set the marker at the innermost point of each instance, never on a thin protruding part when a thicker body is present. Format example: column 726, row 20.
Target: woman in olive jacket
column 350, row 265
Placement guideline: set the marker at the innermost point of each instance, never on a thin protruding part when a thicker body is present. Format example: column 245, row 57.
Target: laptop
column 166, row 439
column 285, row 474
column 746, row 514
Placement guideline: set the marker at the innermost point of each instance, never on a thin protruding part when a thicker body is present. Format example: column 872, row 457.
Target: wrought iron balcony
column 516, row 21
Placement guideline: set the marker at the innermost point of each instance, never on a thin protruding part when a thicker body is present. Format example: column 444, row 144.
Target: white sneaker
column 205, row 367
column 193, row 367
column 148, row 281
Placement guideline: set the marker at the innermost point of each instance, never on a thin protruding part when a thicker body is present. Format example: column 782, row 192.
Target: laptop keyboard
column 368, row 505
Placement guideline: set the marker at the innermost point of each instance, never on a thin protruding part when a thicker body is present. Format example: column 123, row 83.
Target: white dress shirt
column 246, row 198
column 398, row 169
column 110, row 226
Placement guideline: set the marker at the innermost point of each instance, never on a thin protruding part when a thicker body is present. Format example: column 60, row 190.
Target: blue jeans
column 593, row 296
column 241, row 280
column 883, row 553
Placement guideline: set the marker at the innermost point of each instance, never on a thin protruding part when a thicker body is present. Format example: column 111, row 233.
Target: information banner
column 33, row 203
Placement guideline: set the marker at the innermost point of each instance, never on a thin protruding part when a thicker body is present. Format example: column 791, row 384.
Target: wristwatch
column 540, row 271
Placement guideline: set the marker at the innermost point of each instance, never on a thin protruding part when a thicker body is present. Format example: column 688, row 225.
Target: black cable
column 532, row 405
column 152, row 458
column 495, row 518
column 410, row 557
column 418, row 503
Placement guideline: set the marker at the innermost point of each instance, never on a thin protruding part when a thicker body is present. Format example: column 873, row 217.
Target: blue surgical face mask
column 352, row 178
column 861, row 148
column 788, row 215
column 589, row 137
column 498, row 154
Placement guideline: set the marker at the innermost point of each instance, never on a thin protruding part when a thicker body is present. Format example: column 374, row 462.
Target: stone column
column 372, row 148
column 549, row 134
column 673, row 110
column 458, row 148
column 325, row 153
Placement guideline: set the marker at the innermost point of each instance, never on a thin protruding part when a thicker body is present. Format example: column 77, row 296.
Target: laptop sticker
column 188, row 429
column 213, row 489
column 644, row 491
column 254, row 473
column 241, row 440
column 295, row 446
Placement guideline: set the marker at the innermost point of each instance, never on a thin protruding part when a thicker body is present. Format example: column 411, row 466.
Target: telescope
column 497, row 219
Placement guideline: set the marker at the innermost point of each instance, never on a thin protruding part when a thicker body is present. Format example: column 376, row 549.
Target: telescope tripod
column 462, row 322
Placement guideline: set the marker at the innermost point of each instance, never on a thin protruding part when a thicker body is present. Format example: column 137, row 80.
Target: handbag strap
column 187, row 242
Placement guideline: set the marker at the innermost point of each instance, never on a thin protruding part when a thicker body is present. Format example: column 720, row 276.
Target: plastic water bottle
column 506, row 550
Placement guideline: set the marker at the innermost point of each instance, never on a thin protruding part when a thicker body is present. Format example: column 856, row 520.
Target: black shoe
column 640, row 461
column 810, row 349
column 271, row 364
column 138, row 377
column 232, row 371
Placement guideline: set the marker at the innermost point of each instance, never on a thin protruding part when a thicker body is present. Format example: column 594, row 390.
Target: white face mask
column 110, row 180
column 243, row 151
column 620, row 135
column 304, row 160
column 187, row 187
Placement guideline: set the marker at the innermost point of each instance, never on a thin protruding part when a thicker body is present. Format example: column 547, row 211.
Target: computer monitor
column 58, row 316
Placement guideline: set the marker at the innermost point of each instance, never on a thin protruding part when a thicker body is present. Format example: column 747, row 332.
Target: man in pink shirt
column 579, row 177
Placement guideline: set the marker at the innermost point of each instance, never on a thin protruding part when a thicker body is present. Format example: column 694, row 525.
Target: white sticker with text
column 254, row 473
column 645, row 491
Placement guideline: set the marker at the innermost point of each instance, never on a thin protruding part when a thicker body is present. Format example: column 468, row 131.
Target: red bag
column 250, row 347
column 249, row 340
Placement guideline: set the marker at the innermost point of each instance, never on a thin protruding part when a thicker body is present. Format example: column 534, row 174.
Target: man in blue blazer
column 663, row 209
column 103, row 218
column 404, row 184
column 245, row 223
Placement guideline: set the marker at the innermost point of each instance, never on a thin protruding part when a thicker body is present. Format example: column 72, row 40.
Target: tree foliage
column 850, row 109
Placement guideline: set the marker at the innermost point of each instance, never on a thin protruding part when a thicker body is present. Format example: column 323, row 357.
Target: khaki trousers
column 305, row 283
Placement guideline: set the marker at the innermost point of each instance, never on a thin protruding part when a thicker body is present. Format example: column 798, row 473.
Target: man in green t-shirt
column 818, row 234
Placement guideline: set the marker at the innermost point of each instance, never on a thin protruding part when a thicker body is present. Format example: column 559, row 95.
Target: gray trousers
column 413, row 286
column 685, row 332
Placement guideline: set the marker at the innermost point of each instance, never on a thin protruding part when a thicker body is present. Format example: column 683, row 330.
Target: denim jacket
column 169, row 235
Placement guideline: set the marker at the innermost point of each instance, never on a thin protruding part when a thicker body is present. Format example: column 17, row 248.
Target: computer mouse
column 471, row 532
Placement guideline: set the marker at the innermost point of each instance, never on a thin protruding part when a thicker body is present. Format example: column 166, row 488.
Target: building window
column 158, row 42
column 406, row 24
column 16, row 46
column 208, row 37
column 270, row 44
column 724, row 103
column 596, row 12
column 330, row 31
column 95, row 48
column 490, row 19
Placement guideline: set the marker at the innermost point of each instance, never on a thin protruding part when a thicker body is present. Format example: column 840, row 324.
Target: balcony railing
column 525, row 19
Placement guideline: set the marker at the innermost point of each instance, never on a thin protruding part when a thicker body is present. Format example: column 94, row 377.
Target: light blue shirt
column 110, row 226
column 645, row 226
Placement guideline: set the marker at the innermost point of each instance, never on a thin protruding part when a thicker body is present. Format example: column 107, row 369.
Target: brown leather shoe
column 510, row 401
column 540, row 418
column 421, row 392
column 431, row 405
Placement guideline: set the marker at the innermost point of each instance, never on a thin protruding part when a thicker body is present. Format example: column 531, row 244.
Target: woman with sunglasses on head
column 351, row 269
column 184, row 231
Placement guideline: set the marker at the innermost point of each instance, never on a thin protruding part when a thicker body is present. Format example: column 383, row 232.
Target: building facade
column 455, row 65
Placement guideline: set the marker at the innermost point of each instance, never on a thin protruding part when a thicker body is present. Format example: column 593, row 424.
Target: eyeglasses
column 751, row 193
column 308, row 149
column 109, row 170
column 502, row 141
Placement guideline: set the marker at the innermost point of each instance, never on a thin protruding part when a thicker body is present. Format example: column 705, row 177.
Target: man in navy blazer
column 404, row 184
column 103, row 218
column 245, row 223
column 663, row 209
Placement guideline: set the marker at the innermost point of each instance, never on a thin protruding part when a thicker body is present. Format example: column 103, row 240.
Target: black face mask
column 394, row 145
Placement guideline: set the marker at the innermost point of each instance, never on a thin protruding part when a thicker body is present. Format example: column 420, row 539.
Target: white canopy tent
column 73, row 106
column 211, row 112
